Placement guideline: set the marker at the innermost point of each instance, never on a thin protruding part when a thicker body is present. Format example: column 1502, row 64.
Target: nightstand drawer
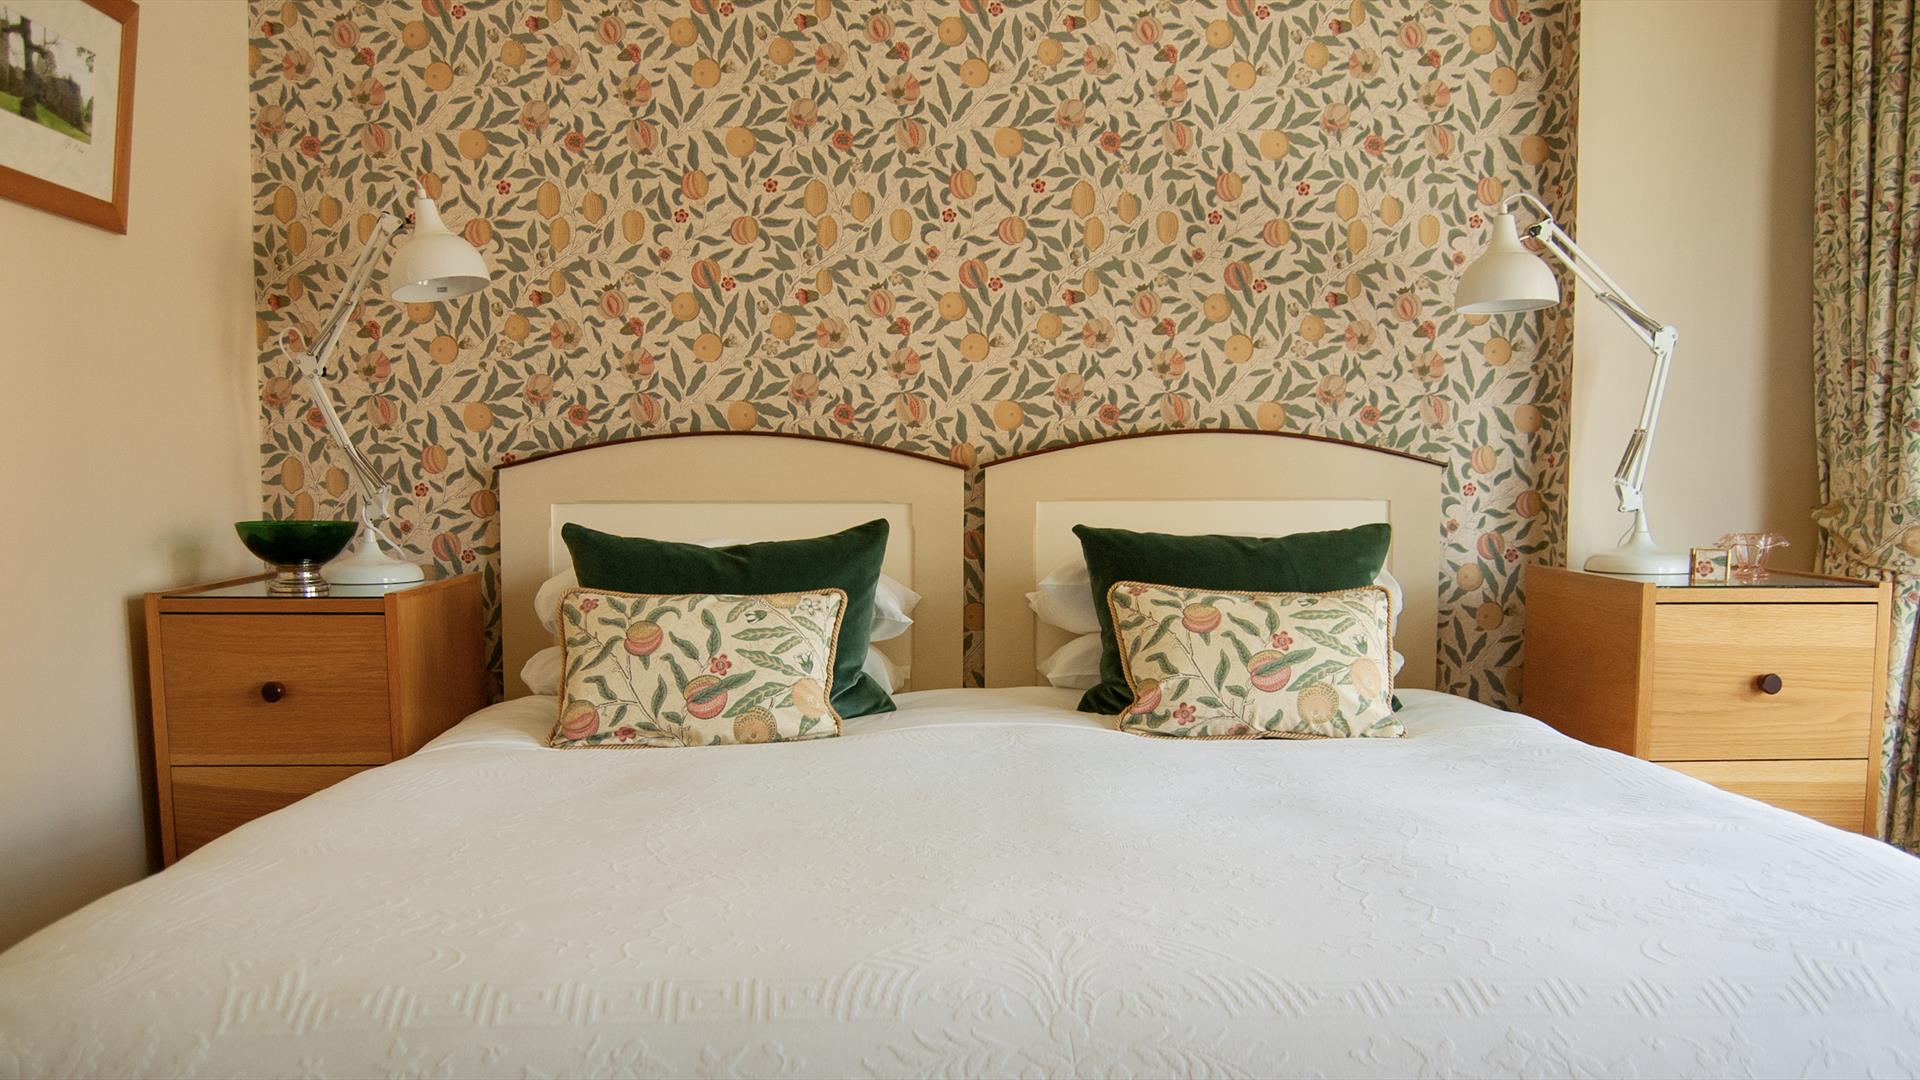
column 1829, row 791
column 1708, row 660
column 209, row 801
column 276, row 689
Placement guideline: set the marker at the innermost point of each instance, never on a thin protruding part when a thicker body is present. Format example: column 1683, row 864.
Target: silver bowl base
column 297, row 579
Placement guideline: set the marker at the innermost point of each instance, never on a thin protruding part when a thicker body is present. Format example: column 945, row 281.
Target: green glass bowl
column 291, row 543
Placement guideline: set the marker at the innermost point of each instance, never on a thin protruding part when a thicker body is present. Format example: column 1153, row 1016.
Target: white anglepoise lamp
column 432, row 265
column 1508, row 278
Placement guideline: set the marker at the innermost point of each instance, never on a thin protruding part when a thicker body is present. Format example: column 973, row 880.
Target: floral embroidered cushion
column 1207, row 664
column 696, row 669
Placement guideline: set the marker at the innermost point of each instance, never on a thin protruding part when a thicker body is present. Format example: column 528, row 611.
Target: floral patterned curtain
column 1867, row 389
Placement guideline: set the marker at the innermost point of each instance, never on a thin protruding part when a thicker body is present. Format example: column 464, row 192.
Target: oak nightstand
column 1772, row 690
column 260, row 701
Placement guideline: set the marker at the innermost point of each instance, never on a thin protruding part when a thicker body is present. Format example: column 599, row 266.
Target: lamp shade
column 1506, row 277
column 433, row 264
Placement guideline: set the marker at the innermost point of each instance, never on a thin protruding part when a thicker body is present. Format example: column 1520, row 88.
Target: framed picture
column 1710, row 566
column 66, row 106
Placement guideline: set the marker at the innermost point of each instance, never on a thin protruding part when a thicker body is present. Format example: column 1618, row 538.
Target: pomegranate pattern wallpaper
column 968, row 229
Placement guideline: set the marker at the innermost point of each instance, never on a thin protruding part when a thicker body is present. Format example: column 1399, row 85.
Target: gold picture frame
column 1709, row 566
column 66, row 106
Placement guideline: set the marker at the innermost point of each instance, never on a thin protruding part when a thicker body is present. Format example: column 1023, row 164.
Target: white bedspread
column 987, row 883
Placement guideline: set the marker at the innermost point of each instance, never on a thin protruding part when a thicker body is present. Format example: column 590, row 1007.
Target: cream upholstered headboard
column 738, row 486
column 1247, row 483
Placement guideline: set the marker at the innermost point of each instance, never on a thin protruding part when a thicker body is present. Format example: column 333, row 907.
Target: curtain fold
column 1865, row 317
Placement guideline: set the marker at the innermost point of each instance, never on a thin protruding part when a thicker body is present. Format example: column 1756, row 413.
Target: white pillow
column 893, row 603
column 1396, row 599
column 542, row 672
column 1075, row 665
column 880, row 667
column 547, row 600
column 1065, row 599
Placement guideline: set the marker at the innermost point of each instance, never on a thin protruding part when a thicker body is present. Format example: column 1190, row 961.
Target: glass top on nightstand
column 256, row 589
column 1775, row 579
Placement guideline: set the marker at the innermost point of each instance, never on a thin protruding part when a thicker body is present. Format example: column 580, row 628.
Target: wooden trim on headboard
column 551, row 454
column 1213, row 431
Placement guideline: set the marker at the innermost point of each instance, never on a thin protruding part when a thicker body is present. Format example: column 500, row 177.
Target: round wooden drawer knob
column 1768, row 683
column 274, row 691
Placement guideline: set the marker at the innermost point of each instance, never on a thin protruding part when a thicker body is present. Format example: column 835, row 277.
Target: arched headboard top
column 1236, row 482
column 1188, row 432
column 548, row 455
column 739, row 486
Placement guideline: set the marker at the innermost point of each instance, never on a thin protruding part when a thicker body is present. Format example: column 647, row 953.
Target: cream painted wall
column 1696, row 194
column 130, row 447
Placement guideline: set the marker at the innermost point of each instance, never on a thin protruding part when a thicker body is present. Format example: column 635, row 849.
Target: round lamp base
column 366, row 564
column 1634, row 559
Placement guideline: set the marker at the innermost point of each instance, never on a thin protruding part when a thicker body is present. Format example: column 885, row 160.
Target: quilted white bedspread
column 987, row 883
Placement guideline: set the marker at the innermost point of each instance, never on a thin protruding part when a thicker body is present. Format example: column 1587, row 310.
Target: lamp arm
column 1557, row 243
column 1630, row 476
column 357, row 278
column 1633, row 469
column 376, row 494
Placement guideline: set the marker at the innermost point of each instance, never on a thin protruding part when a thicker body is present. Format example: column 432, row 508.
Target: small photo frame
column 1709, row 566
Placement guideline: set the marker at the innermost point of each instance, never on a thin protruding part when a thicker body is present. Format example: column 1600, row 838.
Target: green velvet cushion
column 1302, row 562
column 849, row 561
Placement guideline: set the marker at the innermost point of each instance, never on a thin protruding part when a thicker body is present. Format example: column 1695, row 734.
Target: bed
column 987, row 882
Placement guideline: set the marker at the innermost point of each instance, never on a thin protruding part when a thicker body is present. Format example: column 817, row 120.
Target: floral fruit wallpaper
column 968, row 228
